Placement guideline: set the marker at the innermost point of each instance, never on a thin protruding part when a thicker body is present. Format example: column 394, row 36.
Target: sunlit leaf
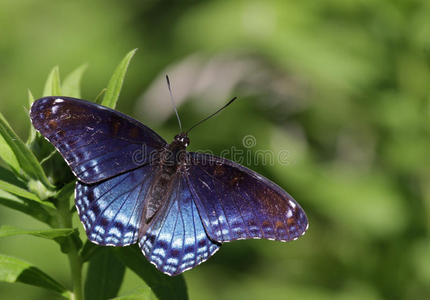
column 32, row 133
column 26, row 159
column 71, row 85
column 29, row 207
column 15, row 270
column 13, row 189
column 50, row 234
column 8, row 156
column 99, row 96
column 115, row 84
column 53, row 85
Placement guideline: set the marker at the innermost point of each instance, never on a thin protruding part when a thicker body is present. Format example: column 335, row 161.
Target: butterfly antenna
column 210, row 116
column 173, row 102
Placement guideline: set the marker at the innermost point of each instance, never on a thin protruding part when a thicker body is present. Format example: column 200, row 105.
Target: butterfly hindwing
column 111, row 211
column 237, row 203
column 96, row 142
column 176, row 240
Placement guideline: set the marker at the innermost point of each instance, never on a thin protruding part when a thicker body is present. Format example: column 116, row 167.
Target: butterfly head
column 182, row 139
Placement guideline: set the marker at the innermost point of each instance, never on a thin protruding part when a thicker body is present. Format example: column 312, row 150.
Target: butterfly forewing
column 237, row 203
column 97, row 142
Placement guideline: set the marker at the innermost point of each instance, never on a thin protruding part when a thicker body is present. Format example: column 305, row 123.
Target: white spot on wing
column 293, row 205
column 205, row 184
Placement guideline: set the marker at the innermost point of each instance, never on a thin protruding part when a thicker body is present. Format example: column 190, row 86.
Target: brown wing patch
column 219, row 170
column 115, row 127
column 133, row 133
column 271, row 202
column 52, row 124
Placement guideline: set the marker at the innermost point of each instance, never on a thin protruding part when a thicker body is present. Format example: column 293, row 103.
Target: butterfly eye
column 186, row 141
column 182, row 138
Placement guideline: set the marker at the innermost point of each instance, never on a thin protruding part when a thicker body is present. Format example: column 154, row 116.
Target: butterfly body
column 171, row 163
column 178, row 206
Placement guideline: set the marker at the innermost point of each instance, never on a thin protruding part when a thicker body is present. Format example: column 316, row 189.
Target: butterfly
column 134, row 187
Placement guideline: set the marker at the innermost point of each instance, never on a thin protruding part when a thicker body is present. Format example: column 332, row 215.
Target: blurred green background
column 341, row 85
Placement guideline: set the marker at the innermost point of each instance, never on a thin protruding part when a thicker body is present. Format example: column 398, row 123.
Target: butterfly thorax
column 170, row 159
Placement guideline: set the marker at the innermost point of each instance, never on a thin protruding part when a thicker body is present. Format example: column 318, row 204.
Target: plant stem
column 76, row 271
column 65, row 221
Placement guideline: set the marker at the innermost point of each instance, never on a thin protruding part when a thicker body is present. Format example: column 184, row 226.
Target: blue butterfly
column 179, row 206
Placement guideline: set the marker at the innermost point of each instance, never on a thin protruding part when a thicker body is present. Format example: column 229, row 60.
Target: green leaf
column 104, row 276
column 10, row 177
column 99, row 98
column 15, row 270
column 8, row 156
column 51, row 234
column 63, row 196
column 52, row 85
column 66, row 191
column 32, row 133
column 71, row 85
column 29, row 207
column 63, row 236
column 26, row 159
column 89, row 250
column 163, row 286
column 9, row 183
column 13, row 189
column 143, row 293
column 115, row 83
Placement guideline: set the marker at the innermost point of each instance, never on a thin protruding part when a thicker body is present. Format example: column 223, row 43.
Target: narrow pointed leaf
column 99, row 98
column 115, row 84
column 163, row 286
column 50, row 234
column 29, row 207
column 60, row 235
column 10, row 177
column 52, row 85
column 32, row 133
column 71, row 85
column 13, row 189
column 104, row 276
column 26, row 159
column 7, row 155
column 10, row 183
column 15, row 270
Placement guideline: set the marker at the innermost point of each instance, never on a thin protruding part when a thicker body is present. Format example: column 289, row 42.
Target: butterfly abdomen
column 168, row 162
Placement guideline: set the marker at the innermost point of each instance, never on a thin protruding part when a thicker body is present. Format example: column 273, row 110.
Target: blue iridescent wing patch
column 237, row 203
column 111, row 211
column 176, row 240
column 96, row 142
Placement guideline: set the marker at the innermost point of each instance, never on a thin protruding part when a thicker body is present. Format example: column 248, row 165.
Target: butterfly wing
column 176, row 240
column 237, row 203
column 111, row 211
column 96, row 142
